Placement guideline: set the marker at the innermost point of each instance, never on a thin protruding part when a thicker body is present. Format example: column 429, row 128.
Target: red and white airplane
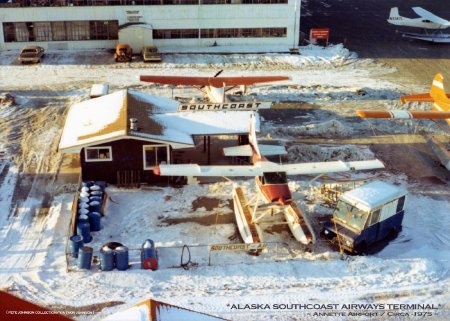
column 271, row 180
column 214, row 87
column 441, row 106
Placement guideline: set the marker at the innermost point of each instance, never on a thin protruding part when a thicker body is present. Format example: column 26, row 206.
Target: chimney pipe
column 133, row 124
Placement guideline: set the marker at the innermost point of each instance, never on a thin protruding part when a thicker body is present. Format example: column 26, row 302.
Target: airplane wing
column 197, row 170
column 425, row 97
column 246, row 150
column 211, row 81
column 429, row 16
column 403, row 114
column 330, row 167
column 260, row 168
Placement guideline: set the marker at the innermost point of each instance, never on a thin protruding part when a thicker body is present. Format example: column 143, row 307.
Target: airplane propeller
column 218, row 73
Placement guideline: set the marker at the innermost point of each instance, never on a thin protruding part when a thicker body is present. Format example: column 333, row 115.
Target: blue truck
column 366, row 215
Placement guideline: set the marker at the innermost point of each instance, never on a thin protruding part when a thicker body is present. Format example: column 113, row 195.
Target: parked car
column 123, row 53
column 31, row 54
column 366, row 215
column 151, row 54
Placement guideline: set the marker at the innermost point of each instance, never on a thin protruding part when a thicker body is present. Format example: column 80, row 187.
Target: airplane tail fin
column 437, row 92
column 394, row 13
column 252, row 136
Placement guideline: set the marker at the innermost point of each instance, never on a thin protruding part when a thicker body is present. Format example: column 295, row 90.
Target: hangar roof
column 107, row 118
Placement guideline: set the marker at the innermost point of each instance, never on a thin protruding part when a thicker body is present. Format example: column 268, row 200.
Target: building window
column 155, row 155
column 244, row 33
column 98, row 154
column 175, row 33
column 60, row 30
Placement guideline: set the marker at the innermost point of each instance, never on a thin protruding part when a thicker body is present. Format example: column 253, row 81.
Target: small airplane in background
column 441, row 106
column 427, row 21
column 277, row 206
column 214, row 87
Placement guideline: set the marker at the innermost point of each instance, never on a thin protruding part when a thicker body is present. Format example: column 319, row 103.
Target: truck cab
column 366, row 215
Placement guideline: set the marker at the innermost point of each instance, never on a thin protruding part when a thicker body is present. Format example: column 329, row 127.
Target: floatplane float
column 273, row 204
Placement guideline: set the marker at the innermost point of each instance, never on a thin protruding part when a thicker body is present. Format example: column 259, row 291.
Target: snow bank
column 331, row 128
column 318, row 153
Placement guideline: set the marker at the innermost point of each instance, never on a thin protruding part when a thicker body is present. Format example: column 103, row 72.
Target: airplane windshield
column 275, row 178
column 351, row 215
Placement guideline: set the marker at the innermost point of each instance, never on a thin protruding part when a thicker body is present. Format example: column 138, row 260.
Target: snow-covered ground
column 413, row 268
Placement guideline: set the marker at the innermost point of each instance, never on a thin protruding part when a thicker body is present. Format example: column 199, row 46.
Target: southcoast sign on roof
column 235, row 106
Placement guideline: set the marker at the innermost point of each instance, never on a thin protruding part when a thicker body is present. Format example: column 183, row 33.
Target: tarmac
column 363, row 27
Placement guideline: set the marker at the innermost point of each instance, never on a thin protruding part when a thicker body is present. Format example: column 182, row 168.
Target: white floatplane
column 274, row 203
column 431, row 24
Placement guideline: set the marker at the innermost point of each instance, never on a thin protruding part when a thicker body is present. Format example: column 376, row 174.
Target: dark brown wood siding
column 127, row 154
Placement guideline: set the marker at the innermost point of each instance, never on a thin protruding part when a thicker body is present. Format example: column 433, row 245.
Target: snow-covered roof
column 108, row 117
column 95, row 120
column 372, row 195
column 152, row 310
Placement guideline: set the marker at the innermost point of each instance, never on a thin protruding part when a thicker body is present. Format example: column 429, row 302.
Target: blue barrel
column 96, row 193
column 149, row 257
column 106, row 259
column 83, row 199
column 83, row 211
column 83, row 218
column 84, row 194
column 86, row 184
column 76, row 241
column 83, row 229
column 94, row 221
column 96, row 199
column 85, row 257
column 102, row 185
column 95, row 188
column 83, row 205
column 95, row 206
column 122, row 258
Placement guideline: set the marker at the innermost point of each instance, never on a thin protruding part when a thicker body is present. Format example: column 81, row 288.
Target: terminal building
column 170, row 24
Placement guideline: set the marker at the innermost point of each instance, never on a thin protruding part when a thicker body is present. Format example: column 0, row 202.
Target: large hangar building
column 91, row 24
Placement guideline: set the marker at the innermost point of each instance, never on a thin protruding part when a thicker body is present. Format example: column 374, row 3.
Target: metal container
column 106, row 258
column 95, row 206
column 83, row 211
column 83, row 229
column 102, row 185
column 149, row 256
column 83, row 205
column 96, row 199
column 121, row 257
column 95, row 188
column 97, row 193
column 94, row 221
column 84, row 194
column 83, row 199
column 85, row 257
column 86, row 184
column 83, row 218
column 76, row 241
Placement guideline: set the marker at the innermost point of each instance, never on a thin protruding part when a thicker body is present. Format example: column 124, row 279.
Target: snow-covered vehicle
column 151, row 54
column 31, row 54
column 366, row 215
column 123, row 53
